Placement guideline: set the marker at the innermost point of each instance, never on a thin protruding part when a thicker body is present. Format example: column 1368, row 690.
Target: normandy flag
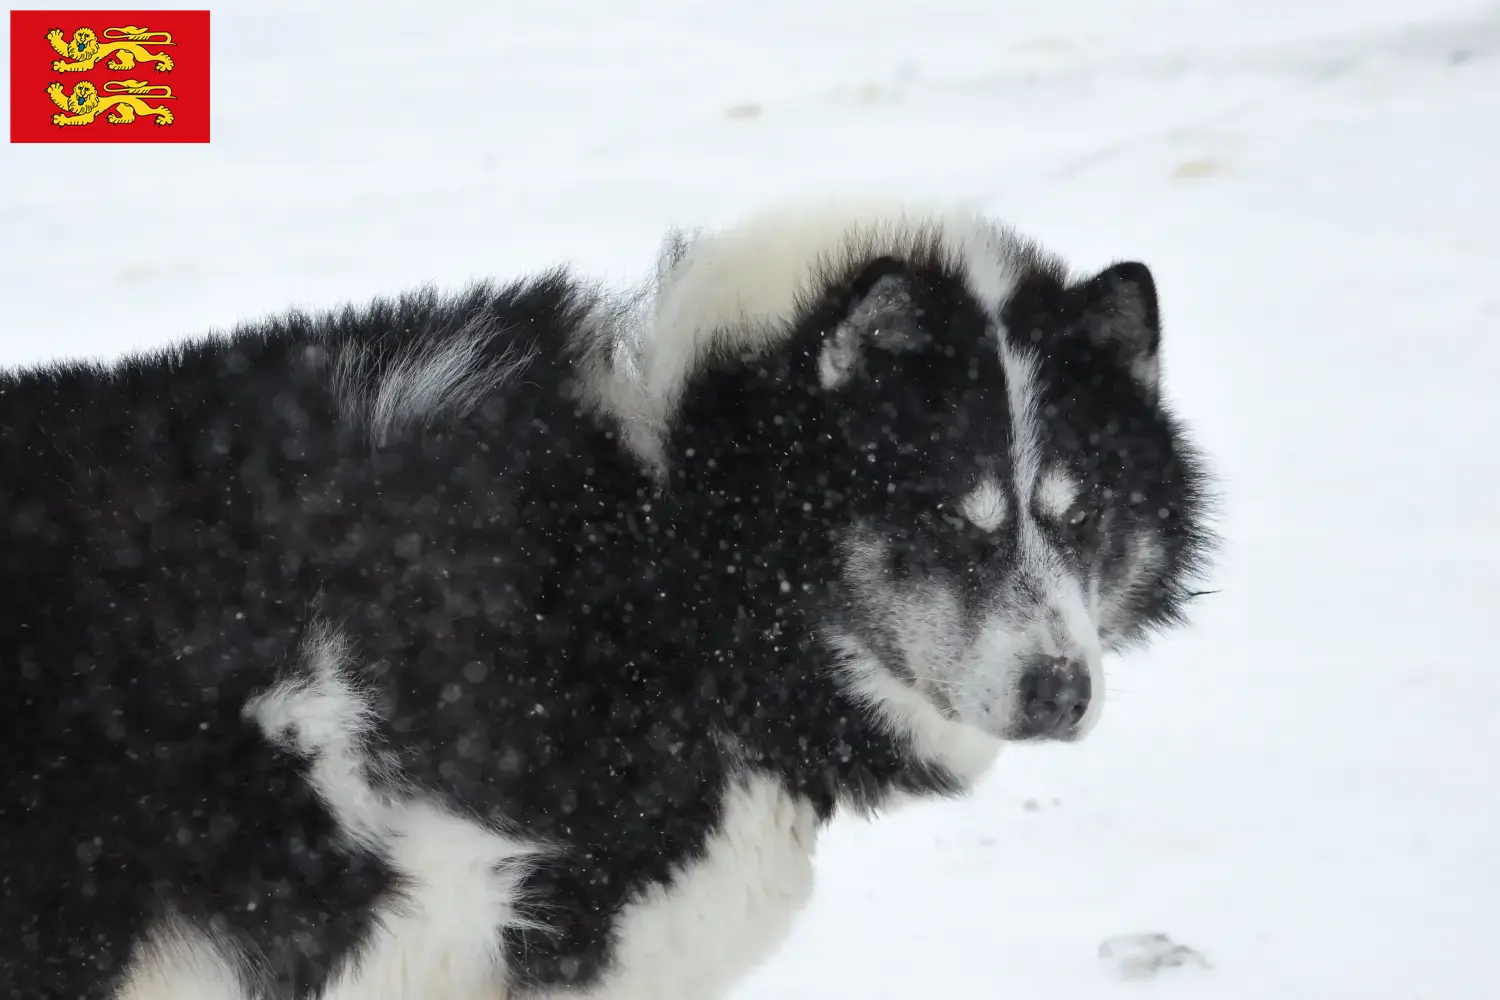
column 109, row 76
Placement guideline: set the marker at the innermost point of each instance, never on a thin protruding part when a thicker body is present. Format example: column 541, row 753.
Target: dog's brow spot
column 1056, row 492
column 984, row 507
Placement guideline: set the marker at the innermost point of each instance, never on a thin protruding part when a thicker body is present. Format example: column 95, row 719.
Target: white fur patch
column 926, row 623
column 694, row 939
column 441, row 938
column 1056, row 493
column 961, row 749
column 445, row 377
column 321, row 711
column 175, row 962
column 740, row 289
column 985, row 506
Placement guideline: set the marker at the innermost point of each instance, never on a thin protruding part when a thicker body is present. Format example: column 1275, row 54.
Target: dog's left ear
column 1119, row 314
column 882, row 313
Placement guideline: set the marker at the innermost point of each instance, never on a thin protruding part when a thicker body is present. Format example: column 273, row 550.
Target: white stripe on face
column 1025, row 435
column 1061, row 624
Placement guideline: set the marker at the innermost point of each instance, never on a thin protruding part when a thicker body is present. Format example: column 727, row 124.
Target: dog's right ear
column 1120, row 315
column 883, row 313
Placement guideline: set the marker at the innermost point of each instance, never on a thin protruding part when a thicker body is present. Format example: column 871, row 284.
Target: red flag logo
column 109, row 76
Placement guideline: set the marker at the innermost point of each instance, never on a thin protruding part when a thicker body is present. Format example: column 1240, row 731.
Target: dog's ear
column 1119, row 314
column 882, row 311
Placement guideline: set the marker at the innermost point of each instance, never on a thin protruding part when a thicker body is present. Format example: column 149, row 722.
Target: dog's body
column 518, row 644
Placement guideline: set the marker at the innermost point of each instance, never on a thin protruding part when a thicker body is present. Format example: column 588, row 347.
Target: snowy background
column 1303, row 787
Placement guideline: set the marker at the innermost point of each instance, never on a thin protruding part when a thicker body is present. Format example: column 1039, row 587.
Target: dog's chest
column 725, row 912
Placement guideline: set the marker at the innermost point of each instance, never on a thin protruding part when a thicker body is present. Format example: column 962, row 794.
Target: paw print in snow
column 1142, row 956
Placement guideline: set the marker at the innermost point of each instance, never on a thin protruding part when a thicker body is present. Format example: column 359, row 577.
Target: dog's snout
column 1054, row 695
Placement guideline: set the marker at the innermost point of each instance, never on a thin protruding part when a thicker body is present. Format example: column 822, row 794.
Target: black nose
column 1054, row 697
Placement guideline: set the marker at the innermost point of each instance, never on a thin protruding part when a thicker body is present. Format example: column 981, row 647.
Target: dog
column 517, row 642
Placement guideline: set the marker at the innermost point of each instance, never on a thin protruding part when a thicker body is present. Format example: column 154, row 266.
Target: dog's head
column 972, row 440
column 1020, row 500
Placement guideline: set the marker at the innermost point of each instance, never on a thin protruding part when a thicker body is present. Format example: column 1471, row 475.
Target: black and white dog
column 518, row 643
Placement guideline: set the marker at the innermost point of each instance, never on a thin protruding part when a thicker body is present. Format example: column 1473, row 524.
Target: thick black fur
column 173, row 524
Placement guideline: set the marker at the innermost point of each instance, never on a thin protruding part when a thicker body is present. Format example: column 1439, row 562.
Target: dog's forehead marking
column 1056, row 492
column 1021, row 398
column 1052, row 488
column 985, row 506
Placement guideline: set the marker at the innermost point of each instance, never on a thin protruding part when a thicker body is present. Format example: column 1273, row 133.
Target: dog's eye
column 944, row 518
column 1079, row 517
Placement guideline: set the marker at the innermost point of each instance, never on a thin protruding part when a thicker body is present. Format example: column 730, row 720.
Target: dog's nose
column 1054, row 697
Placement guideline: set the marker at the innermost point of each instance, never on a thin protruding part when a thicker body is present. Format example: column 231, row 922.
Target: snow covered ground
column 1303, row 786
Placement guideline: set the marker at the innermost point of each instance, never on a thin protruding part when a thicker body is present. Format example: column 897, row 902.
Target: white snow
column 1301, row 788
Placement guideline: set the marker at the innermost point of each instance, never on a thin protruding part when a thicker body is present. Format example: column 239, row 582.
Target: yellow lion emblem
column 80, row 55
column 127, row 97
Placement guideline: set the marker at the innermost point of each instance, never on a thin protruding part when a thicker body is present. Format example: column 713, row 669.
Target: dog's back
column 177, row 532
